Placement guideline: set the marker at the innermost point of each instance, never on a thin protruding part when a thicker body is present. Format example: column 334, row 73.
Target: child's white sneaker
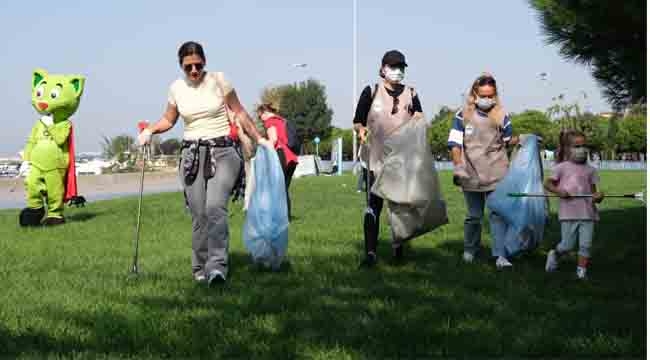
column 551, row 261
column 468, row 257
column 503, row 262
column 581, row 272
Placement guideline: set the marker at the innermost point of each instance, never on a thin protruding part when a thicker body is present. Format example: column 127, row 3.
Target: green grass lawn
column 67, row 290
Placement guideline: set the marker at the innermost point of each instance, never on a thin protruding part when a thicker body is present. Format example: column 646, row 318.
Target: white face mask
column 485, row 103
column 395, row 75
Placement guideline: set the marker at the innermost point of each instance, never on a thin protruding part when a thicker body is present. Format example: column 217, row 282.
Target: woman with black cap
column 381, row 109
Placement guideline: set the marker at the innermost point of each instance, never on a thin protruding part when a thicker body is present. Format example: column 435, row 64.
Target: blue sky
column 127, row 51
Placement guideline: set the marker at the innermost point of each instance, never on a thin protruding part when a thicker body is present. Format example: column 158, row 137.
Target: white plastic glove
column 144, row 137
column 48, row 120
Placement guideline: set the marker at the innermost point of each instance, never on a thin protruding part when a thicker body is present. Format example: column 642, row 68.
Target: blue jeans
column 475, row 202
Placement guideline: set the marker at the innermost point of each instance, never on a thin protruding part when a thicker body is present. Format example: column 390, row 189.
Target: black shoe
column 216, row 277
column 54, row 221
column 369, row 261
column 398, row 256
column 31, row 217
column 398, row 253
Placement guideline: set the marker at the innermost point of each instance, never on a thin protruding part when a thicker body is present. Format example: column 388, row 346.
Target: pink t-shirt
column 576, row 179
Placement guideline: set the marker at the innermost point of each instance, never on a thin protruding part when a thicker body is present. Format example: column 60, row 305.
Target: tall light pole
column 543, row 76
column 354, row 76
column 299, row 66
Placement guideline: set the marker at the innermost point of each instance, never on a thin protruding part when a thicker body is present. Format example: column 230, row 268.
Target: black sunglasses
column 188, row 67
column 486, row 80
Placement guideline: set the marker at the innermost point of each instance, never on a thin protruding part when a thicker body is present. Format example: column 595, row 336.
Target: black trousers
column 288, row 174
column 376, row 203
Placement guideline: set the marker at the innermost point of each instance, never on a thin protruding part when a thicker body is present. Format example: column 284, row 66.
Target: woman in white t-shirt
column 210, row 164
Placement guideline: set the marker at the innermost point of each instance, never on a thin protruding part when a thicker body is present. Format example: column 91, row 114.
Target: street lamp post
column 354, row 76
column 317, row 141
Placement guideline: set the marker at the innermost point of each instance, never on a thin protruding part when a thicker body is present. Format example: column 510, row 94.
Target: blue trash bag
column 266, row 230
column 525, row 216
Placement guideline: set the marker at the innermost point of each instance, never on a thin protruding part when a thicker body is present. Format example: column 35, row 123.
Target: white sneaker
column 503, row 262
column 551, row 261
column 581, row 272
column 199, row 276
column 216, row 277
column 468, row 257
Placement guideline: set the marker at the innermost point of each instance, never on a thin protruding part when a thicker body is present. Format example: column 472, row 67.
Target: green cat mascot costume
column 50, row 148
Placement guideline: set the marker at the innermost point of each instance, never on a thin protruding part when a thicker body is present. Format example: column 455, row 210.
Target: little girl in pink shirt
column 573, row 176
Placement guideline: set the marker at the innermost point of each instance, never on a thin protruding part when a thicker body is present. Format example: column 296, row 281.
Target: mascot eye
column 55, row 93
column 40, row 91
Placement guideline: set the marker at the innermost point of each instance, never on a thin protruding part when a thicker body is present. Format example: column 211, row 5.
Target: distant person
column 480, row 133
column 276, row 132
column 382, row 108
column 210, row 165
column 573, row 176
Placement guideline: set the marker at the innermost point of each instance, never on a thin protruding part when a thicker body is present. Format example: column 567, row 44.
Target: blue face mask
column 579, row 154
column 394, row 75
column 485, row 103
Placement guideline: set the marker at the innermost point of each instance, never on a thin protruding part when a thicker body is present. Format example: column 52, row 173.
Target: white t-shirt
column 202, row 107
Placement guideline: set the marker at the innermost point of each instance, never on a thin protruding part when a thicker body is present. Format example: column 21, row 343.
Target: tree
column 637, row 109
column 119, row 147
column 535, row 122
column 610, row 144
column 170, row 147
column 595, row 129
column 439, row 132
column 631, row 134
column 609, row 36
column 444, row 113
column 306, row 105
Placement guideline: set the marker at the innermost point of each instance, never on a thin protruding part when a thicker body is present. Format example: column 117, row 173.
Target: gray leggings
column 208, row 204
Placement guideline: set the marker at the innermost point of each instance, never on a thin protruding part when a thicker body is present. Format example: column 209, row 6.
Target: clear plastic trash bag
column 408, row 181
column 266, row 229
column 525, row 216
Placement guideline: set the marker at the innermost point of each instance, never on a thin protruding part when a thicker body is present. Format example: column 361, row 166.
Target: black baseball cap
column 393, row 58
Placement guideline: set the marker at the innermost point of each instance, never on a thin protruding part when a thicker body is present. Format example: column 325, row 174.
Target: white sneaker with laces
column 503, row 262
column 551, row 261
column 468, row 257
column 581, row 272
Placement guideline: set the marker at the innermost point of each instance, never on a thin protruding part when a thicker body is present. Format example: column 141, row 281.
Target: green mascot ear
column 37, row 76
column 78, row 84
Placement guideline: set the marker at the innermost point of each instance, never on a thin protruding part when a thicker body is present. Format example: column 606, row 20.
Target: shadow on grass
column 82, row 216
column 432, row 306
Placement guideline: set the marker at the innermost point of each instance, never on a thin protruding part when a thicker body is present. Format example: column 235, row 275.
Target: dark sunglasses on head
column 486, row 80
column 188, row 67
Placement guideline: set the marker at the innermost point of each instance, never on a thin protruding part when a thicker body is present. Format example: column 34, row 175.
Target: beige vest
column 484, row 152
column 382, row 123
